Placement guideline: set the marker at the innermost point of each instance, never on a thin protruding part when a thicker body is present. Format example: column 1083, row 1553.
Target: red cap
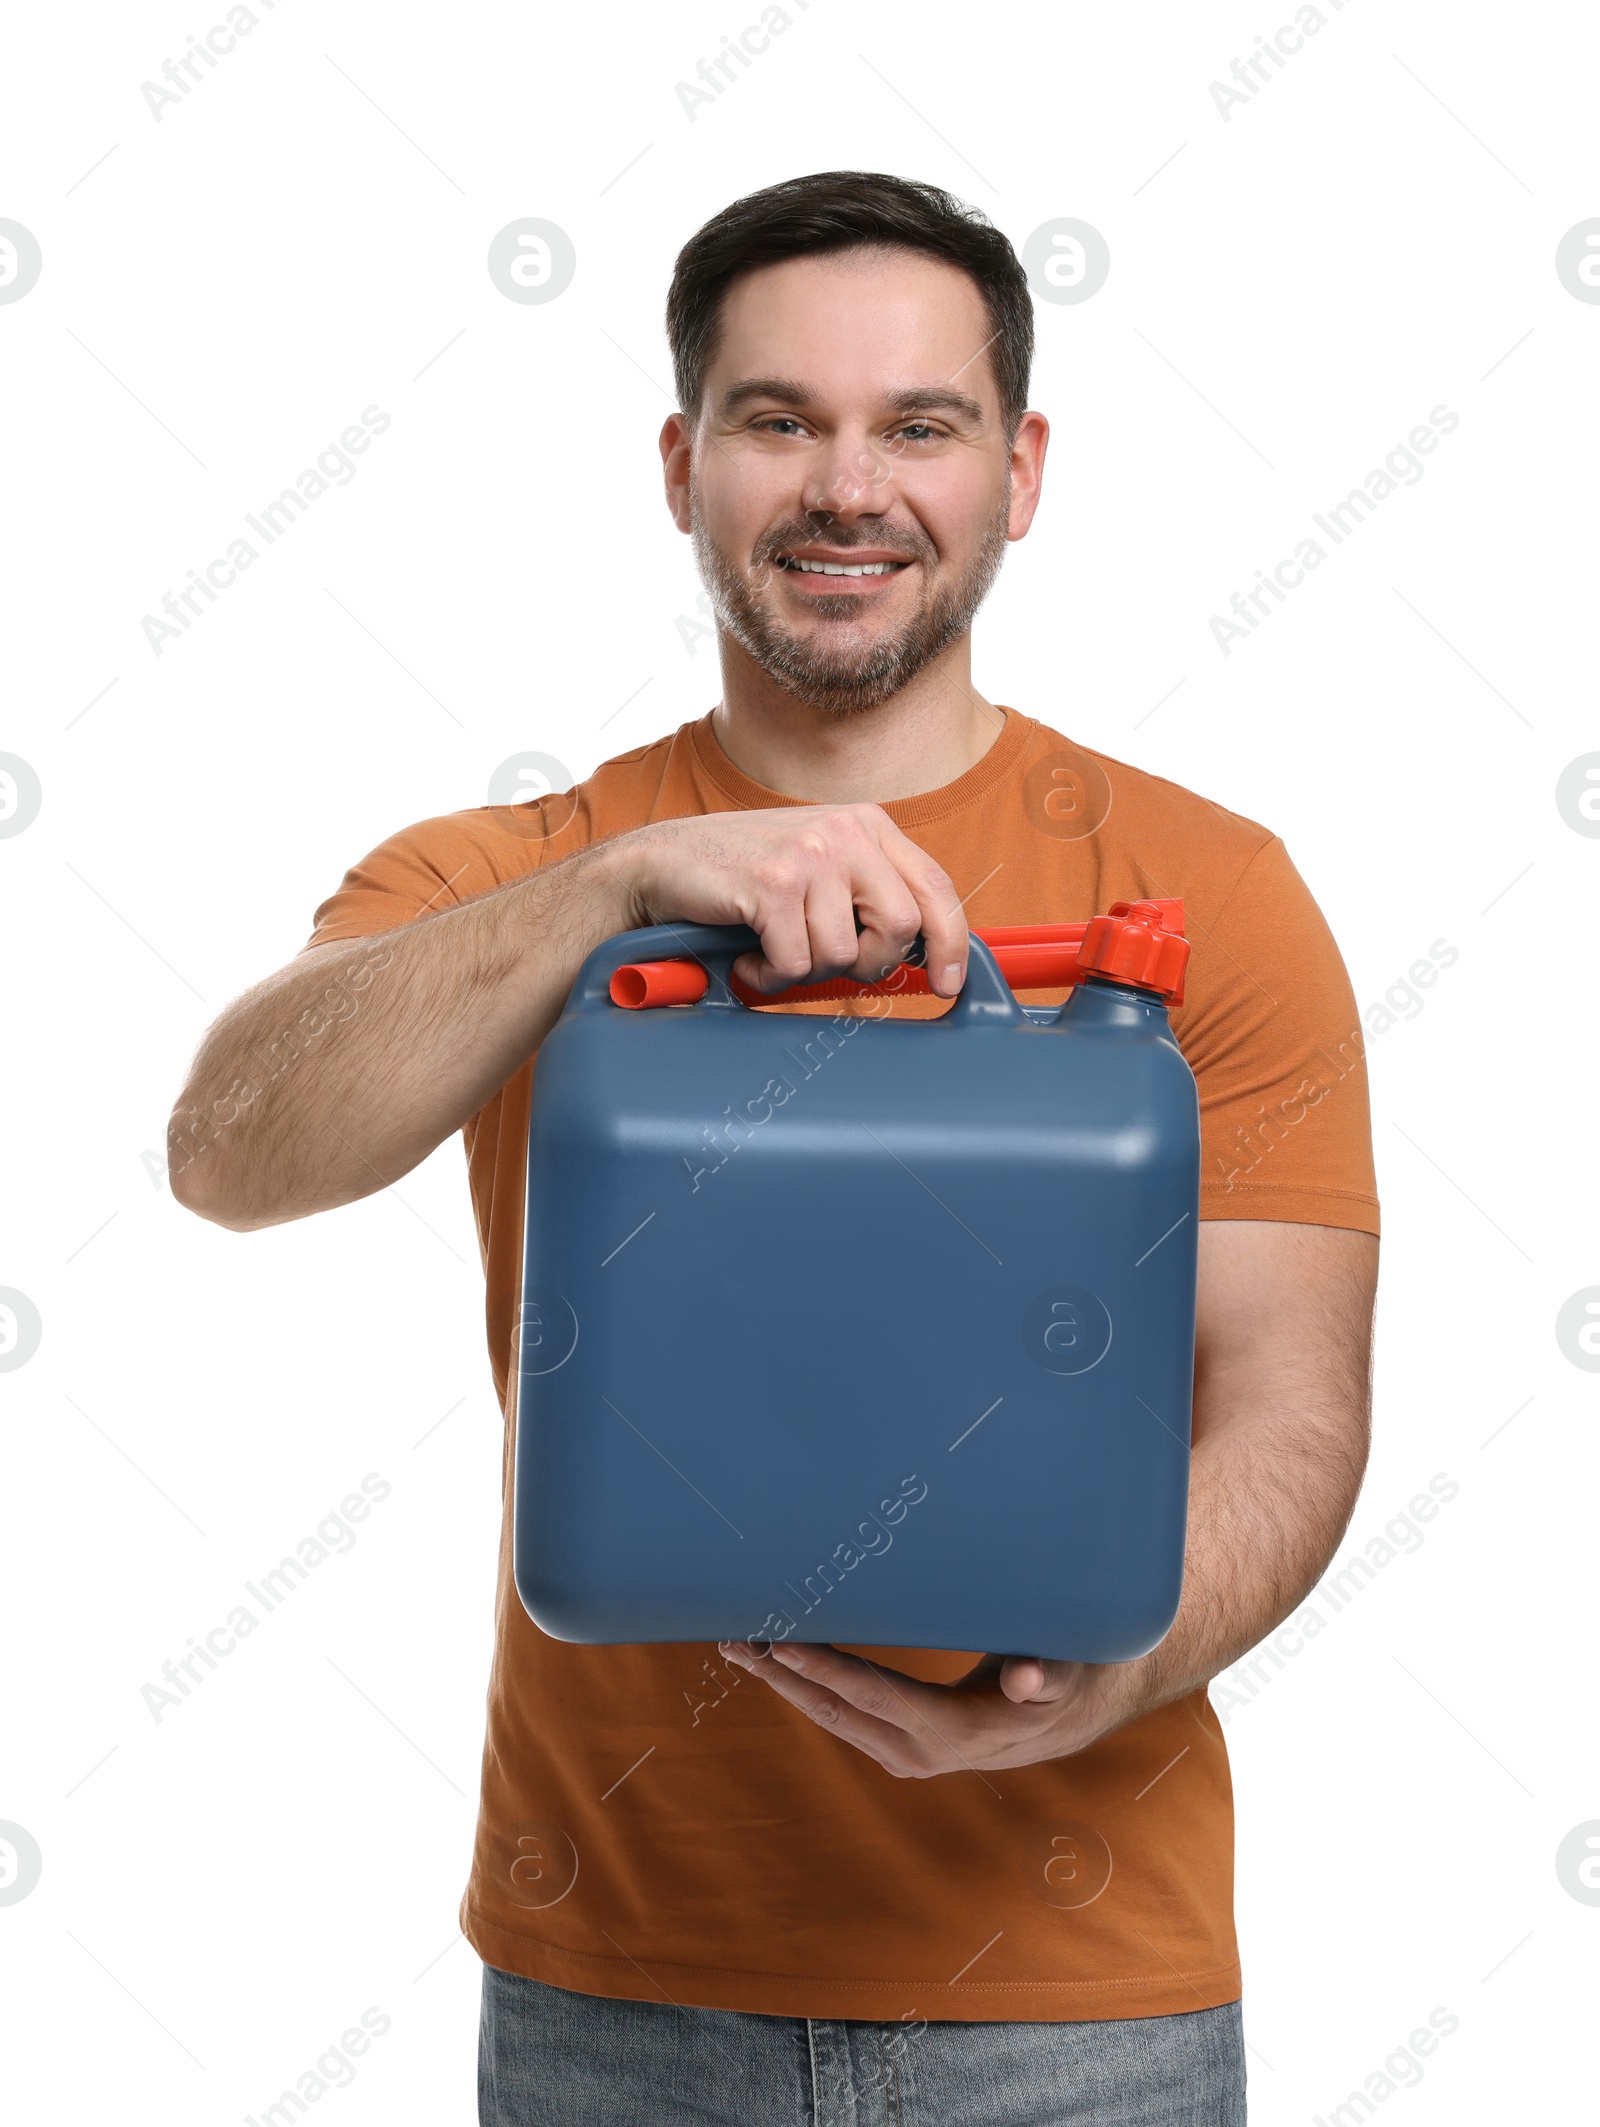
column 1140, row 943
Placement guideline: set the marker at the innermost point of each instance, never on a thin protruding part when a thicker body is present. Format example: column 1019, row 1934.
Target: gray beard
column 846, row 683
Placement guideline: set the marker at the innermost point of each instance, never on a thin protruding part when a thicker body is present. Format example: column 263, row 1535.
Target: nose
column 851, row 476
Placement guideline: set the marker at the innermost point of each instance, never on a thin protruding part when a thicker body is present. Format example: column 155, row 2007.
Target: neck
column 925, row 736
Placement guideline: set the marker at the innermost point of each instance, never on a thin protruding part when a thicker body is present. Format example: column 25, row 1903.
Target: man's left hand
column 1008, row 1710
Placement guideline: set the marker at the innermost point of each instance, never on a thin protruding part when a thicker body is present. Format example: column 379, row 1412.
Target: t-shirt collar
column 921, row 810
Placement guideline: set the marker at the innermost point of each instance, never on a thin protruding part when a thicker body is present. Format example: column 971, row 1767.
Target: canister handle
column 716, row 946
column 985, row 998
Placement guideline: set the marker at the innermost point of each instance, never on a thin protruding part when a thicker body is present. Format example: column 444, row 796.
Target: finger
column 939, row 1732
column 1026, row 1680
column 946, row 1731
column 855, row 917
column 882, row 1694
column 884, row 913
column 941, row 918
column 785, row 957
column 839, row 935
column 889, row 1744
column 1022, row 1679
column 805, row 897
column 894, row 886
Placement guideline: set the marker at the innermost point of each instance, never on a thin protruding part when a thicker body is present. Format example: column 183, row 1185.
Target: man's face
column 850, row 420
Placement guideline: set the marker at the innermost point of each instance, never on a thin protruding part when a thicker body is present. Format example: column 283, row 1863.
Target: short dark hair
column 846, row 210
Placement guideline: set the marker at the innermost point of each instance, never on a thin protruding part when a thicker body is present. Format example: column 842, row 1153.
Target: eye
column 792, row 421
column 918, row 431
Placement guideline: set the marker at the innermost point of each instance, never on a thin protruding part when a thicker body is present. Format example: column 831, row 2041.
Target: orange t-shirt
column 656, row 1826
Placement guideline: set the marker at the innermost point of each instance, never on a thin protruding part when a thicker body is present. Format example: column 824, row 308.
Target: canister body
column 861, row 1330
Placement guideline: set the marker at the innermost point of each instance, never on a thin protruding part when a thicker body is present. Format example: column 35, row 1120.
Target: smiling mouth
column 841, row 568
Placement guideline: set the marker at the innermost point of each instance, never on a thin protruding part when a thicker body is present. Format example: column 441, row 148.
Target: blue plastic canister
column 864, row 1330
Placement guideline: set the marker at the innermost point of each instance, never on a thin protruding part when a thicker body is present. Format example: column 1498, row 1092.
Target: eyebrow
column 791, row 392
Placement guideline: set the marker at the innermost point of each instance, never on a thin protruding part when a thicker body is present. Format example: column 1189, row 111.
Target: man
column 852, row 1884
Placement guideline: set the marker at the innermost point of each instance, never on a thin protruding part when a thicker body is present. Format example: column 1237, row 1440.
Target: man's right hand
column 832, row 890
column 338, row 1074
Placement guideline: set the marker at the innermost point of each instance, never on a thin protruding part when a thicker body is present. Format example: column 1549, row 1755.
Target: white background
column 303, row 235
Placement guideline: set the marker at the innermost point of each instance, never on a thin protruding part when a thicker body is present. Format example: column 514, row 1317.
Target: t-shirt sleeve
column 1275, row 1043
column 432, row 865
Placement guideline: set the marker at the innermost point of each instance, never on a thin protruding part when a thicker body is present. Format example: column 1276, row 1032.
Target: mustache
column 841, row 540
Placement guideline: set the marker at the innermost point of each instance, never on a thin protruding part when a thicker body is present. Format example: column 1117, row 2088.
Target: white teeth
column 840, row 568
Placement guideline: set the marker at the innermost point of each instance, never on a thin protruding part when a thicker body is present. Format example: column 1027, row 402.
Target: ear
column 676, row 451
column 1027, row 472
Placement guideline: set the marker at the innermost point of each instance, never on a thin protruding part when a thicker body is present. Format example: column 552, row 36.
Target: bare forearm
column 1263, row 1525
column 339, row 1073
column 1282, row 1411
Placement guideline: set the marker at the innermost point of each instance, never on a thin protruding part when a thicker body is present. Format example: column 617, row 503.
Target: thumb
column 1027, row 1680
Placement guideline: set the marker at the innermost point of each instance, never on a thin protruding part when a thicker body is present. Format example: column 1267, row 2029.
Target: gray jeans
column 549, row 2058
